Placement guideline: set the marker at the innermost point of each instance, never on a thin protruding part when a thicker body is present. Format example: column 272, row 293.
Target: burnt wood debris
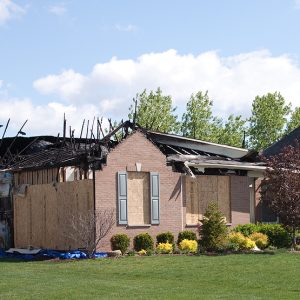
column 90, row 149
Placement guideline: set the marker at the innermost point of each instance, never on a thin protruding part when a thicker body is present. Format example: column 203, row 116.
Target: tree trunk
column 294, row 239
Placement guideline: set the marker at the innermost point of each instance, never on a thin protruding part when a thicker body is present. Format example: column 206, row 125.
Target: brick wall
column 240, row 200
column 136, row 148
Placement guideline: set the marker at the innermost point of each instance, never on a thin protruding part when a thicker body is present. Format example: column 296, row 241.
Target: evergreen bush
column 120, row 242
column 213, row 230
column 143, row 241
column 165, row 237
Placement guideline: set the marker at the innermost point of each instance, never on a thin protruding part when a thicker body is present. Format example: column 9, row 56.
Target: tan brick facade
column 137, row 149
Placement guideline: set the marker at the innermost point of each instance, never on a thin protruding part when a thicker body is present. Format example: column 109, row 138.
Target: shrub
column 213, row 230
column 247, row 229
column 277, row 235
column 165, row 237
column 164, row 248
column 232, row 246
column 120, row 242
column 249, row 244
column 237, row 239
column 149, row 252
column 131, row 253
column 260, row 239
column 239, row 242
column 188, row 246
column 143, row 241
column 142, row 252
column 186, row 235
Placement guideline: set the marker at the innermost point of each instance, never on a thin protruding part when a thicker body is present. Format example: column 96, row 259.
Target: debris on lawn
column 44, row 254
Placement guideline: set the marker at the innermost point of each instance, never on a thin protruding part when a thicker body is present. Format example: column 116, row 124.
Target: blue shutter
column 122, row 197
column 154, row 194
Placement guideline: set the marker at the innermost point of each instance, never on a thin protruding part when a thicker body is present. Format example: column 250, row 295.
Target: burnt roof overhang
column 198, row 145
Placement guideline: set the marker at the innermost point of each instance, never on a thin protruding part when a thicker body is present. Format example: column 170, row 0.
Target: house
column 154, row 182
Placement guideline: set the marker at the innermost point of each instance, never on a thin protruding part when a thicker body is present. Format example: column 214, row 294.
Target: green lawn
column 166, row 277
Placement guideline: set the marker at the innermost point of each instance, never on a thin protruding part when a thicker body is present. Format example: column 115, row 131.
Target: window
column 138, row 198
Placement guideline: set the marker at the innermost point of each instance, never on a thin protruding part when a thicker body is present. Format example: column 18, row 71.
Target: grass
column 238, row 276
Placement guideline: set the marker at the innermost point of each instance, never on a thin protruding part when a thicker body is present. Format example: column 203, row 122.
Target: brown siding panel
column 41, row 215
column 240, row 200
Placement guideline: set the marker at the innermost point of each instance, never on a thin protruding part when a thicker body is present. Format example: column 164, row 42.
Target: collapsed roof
column 185, row 154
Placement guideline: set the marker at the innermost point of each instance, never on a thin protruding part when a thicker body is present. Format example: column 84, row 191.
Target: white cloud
column 232, row 82
column 297, row 4
column 10, row 10
column 68, row 84
column 126, row 28
column 44, row 119
column 58, row 9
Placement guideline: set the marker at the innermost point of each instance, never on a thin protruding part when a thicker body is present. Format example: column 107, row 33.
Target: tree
column 198, row 121
column 233, row 131
column 89, row 228
column 269, row 116
column 213, row 230
column 155, row 112
column 281, row 190
column 294, row 121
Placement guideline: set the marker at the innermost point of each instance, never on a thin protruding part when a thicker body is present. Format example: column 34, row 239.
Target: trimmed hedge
column 143, row 241
column 165, row 237
column 186, row 235
column 120, row 242
column 278, row 236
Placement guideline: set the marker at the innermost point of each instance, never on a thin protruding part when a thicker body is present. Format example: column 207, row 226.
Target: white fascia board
column 226, row 166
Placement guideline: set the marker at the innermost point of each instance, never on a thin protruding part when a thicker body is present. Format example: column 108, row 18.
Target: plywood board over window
column 138, row 198
column 202, row 190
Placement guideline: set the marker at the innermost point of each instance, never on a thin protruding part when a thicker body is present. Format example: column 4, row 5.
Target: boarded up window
column 205, row 189
column 138, row 198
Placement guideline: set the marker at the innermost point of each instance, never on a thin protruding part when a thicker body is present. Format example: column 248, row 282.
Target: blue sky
column 90, row 57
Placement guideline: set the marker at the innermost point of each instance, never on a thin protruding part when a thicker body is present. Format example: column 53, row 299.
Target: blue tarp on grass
column 50, row 254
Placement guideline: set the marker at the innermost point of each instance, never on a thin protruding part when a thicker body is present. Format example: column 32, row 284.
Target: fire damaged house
column 153, row 181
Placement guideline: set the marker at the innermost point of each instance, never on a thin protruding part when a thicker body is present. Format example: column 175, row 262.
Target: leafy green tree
column 268, row 119
column 155, row 112
column 232, row 132
column 294, row 121
column 198, row 121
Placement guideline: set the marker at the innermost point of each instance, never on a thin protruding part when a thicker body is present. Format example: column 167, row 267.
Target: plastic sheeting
column 50, row 254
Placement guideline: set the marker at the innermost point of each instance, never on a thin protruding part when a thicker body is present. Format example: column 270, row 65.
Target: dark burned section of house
column 154, row 181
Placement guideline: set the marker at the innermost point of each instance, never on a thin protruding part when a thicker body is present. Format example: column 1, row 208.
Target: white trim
column 201, row 141
column 226, row 166
column 252, row 199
